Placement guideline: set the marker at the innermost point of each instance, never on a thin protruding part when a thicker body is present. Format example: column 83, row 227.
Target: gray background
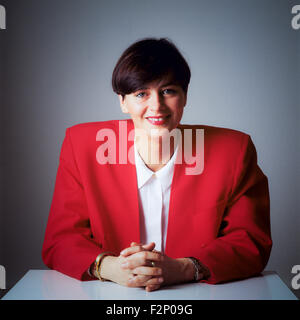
column 56, row 63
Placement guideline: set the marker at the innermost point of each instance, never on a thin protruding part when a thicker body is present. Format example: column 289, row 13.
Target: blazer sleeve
column 243, row 245
column 68, row 244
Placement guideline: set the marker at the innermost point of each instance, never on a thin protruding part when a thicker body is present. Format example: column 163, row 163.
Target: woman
column 128, row 209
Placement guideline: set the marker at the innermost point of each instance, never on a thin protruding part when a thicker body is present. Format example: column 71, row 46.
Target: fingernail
column 160, row 279
column 124, row 264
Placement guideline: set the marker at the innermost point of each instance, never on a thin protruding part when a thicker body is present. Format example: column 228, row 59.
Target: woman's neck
column 154, row 151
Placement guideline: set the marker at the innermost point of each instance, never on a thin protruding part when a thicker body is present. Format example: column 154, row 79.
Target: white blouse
column 154, row 197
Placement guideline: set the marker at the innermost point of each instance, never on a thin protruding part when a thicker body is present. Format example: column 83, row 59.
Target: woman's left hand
column 169, row 270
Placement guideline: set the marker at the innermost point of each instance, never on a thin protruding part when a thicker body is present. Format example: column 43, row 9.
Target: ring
column 153, row 264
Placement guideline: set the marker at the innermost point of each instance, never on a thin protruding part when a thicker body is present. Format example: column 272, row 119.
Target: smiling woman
column 155, row 99
column 155, row 111
column 150, row 223
column 160, row 105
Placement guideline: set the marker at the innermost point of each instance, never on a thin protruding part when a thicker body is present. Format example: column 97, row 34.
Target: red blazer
column 220, row 216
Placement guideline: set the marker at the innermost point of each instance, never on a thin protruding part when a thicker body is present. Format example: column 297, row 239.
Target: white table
column 52, row 285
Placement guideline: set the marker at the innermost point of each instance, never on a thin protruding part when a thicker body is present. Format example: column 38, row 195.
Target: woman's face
column 157, row 106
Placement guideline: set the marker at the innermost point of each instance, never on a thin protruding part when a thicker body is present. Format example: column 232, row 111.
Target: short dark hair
column 149, row 60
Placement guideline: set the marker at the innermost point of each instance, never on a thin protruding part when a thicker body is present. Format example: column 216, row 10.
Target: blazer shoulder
column 85, row 129
column 83, row 136
column 91, row 126
column 221, row 134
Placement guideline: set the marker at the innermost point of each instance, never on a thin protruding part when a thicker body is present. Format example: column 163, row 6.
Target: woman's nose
column 156, row 101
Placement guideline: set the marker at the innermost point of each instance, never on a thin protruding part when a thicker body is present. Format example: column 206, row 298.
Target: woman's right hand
column 120, row 269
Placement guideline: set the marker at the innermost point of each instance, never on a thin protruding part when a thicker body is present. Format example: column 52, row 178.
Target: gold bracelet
column 98, row 263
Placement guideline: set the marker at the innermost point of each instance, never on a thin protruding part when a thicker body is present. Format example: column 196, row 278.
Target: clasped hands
column 142, row 266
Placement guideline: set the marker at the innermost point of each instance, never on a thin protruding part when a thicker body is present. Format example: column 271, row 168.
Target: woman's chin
column 159, row 132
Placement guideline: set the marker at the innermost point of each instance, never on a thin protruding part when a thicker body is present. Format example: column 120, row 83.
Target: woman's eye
column 168, row 91
column 140, row 94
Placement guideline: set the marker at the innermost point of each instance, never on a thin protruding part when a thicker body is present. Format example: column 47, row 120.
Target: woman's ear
column 122, row 103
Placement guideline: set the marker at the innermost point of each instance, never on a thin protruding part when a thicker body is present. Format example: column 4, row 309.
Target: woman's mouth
column 158, row 121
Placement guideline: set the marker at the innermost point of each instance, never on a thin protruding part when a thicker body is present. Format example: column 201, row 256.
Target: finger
column 138, row 281
column 136, row 247
column 147, row 271
column 150, row 246
column 155, row 281
column 141, row 259
column 152, row 287
column 131, row 250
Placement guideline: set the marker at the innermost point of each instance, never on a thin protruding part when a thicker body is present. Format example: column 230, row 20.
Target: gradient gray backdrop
column 57, row 57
